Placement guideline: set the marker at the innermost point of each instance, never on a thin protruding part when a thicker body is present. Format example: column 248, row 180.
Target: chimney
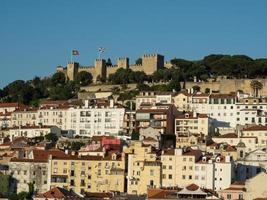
column 111, row 103
column 86, row 103
column 66, row 151
column 227, row 159
column 194, row 114
column 178, row 152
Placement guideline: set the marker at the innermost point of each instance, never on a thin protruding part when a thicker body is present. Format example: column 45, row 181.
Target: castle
column 150, row 64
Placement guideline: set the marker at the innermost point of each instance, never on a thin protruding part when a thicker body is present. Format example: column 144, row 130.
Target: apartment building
column 144, row 169
column 178, row 166
column 153, row 97
column 88, row 173
column 32, row 131
column 31, row 168
column 9, row 107
column 5, row 120
column 53, row 115
column 24, row 116
column 250, row 142
column 181, row 167
column 102, row 118
column 192, row 122
column 251, row 110
column 214, row 172
column 160, row 118
column 258, row 131
column 182, row 101
column 251, row 164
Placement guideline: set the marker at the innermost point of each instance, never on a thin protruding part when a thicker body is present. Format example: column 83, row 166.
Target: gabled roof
column 58, row 193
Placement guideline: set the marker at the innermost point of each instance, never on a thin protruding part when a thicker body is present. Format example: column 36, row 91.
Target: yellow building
column 192, row 122
column 88, row 173
column 144, row 169
column 178, row 166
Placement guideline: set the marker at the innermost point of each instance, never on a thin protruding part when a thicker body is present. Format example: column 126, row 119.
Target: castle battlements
column 150, row 64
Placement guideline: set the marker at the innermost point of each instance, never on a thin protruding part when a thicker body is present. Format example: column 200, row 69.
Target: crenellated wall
column 150, row 64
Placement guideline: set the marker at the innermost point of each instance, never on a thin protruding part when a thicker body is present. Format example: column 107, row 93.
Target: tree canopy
column 84, row 78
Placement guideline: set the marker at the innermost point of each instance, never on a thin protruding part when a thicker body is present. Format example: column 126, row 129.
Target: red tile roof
column 9, row 105
column 58, row 193
column 228, row 135
column 256, row 128
column 159, row 193
column 192, row 187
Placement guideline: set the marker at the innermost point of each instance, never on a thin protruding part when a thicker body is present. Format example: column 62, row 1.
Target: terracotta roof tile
column 256, row 128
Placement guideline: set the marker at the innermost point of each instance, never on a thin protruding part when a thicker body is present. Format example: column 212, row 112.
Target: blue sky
column 36, row 36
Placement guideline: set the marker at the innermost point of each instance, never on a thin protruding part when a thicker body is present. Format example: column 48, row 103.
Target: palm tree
column 256, row 86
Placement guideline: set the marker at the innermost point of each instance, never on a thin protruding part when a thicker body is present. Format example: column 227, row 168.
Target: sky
column 36, row 36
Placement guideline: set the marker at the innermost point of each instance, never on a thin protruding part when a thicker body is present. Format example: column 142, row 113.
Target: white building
column 152, row 98
column 24, row 116
column 99, row 119
column 251, row 164
column 258, row 131
column 53, row 115
column 32, row 131
column 215, row 172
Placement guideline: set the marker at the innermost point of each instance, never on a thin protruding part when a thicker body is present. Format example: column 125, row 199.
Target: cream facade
column 144, row 170
column 88, row 173
column 193, row 123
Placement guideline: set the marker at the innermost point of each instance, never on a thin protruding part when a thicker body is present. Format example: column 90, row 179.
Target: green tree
column 58, row 79
column 51, row 137
column 84, row 78
column 109, row 62
column 77, row 145
column 207, row 90
column 196, row 88
column 138, row 61
column 256, row 86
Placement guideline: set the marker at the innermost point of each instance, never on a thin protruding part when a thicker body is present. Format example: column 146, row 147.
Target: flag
column 75, row 52
column 101, row 49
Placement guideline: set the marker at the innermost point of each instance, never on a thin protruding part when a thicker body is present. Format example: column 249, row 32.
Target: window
column 72, row 182
column 229, row 196
column 151, row 172
column 72, row 172
column 183, row 176
column 170, row 167
column 170, row 176
column 190, row 177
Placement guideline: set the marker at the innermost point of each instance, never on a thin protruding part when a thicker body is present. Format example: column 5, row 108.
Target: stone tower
column 72, row 70
column 123, row 63
column 100, row 69
column 152, row 63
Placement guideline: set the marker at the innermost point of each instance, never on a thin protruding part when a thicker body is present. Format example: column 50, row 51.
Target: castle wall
column 136, row 68
column 72, row 70
column 150, row 64
column 112, row 69
column 229, row 85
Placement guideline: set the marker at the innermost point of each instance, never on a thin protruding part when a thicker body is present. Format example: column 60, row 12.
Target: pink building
column 234, row 192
